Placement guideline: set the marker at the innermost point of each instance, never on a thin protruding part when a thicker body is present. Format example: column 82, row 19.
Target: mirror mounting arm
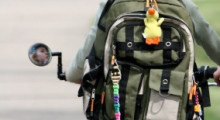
column 60, row 74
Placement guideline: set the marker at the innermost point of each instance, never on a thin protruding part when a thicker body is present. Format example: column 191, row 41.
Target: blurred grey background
column 28, row 92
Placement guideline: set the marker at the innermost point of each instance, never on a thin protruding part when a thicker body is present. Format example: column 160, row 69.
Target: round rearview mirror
column 40, row 54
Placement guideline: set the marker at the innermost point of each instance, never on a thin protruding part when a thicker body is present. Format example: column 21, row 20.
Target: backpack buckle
column 116, row 74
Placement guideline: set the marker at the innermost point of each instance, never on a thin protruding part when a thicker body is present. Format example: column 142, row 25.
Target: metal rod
column 60, row 74
column 212, row 84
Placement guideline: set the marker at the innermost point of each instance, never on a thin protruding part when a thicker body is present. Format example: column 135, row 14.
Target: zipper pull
column 103, row 94
column 92, row 103
column 103, row 98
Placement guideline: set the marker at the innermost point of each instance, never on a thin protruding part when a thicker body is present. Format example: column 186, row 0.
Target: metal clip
column 115, row 73
column 93, row 94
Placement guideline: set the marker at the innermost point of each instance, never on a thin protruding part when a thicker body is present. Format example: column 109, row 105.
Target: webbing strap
column 129, row 33
column 122, row 91
column 168, row 42
column 204, row 87
column 205, row 95
column 165, row 81
column 138, row 46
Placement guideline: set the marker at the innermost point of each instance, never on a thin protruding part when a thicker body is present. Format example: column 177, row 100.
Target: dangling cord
column 197, row 107
column 155, row 3
column 116, row 77
column 147, row 3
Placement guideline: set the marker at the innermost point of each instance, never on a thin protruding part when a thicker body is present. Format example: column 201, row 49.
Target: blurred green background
column 210, row 10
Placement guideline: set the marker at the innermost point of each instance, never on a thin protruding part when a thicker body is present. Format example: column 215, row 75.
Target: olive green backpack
column 125, row 79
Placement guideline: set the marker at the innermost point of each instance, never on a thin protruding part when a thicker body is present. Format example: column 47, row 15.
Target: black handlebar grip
column 210, row 71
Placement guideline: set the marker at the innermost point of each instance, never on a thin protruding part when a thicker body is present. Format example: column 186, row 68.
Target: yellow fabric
column 152, row 30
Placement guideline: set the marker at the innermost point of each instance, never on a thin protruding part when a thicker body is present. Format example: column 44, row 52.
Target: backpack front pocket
column 166, row 94
column 130, row 44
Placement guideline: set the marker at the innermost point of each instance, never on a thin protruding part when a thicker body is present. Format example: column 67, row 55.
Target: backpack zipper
column 141, row 14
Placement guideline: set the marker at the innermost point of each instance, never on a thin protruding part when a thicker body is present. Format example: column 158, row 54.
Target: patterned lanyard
column 116, row 77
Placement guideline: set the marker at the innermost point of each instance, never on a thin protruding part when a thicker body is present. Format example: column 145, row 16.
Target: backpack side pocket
column 92, row 70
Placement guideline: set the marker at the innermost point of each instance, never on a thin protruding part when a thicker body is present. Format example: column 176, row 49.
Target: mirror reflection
column 40, row 54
